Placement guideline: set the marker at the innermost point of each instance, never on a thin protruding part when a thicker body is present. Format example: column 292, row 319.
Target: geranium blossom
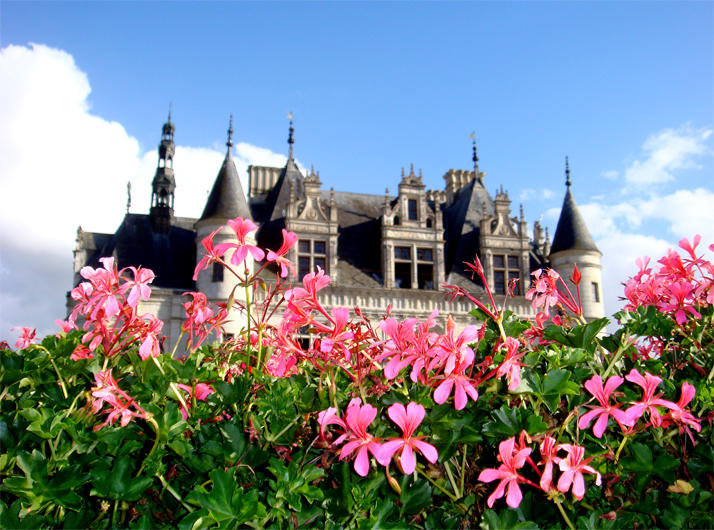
column 605, row 410
column 289, row 240
column 27, row 337
column 408, row 419
column 680, row 416
column 572, row 468
column 243, row 227
column 511, row 365
column 459, row 382
column 107, row 392
column 511, row 460
column 649, row 401
column 355, row 437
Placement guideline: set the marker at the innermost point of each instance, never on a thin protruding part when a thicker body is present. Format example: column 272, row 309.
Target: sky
column 624, row 89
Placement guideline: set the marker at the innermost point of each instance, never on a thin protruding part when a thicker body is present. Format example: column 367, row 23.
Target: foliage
column 511, row 423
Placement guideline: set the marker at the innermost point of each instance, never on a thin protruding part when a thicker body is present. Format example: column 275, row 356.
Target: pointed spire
column 567, row 172
column 128, row 195
column 571, row 233
column 291, row 140
column 168, row 120
column 474, row 157
column 229, row 143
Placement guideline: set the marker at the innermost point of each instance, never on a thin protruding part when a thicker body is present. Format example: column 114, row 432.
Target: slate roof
column 572, row 233
column 171, row 256
column 226, row 200
column 462, row 224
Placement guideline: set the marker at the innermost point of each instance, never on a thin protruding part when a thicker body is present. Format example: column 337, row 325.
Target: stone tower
column 573, row 245
column 164, row 184
column 226, row 201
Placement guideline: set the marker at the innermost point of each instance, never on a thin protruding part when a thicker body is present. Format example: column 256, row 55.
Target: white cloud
column 610, row 174
column 667, row 151
column 540, row 194
column 62, row 167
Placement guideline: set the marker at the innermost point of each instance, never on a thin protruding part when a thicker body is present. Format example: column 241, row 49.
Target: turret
column 164, row 185
column 226, row 201
column 573, row 245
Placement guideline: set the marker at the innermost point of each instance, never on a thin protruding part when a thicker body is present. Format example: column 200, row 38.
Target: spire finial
column 474, row 156
column 567, row 172
column 229, row 143
column 128, row 194
column 291, row 140
column 169, row 118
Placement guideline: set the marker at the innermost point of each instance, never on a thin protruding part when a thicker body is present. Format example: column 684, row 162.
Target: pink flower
column 357, row 418
column 243, row 227
column 400, row 344
column 408, row 419
column 107, row 392
column 511, row 366
column 649, row 384
column 511, row 460
column 572, row 468
column 203, row 390
column 139, row 287
column 605, row 410
column 453, row 351
column 678, row 299
column 544, row 291
column 456, row 379
column 151, row 346
column 27, row 337
column 213, row 254
column 681, row 416
column 549, row 456
column 200, row 319
column 289, row 240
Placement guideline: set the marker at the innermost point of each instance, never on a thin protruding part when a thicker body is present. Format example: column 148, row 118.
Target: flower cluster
column 514, row 456
column 357, row 440
column 108, row 303
column 678, row 287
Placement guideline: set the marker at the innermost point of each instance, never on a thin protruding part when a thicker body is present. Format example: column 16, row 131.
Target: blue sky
column 625, row 89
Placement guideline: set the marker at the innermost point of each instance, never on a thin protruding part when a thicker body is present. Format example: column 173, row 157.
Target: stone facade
column 379, row 250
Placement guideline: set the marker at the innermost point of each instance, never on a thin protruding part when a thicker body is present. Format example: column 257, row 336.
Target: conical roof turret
column 227, row 199
column 571, row 233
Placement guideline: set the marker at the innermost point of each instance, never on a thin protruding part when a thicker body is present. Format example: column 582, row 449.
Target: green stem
column 457, row 492
column 619, row 449
column 464, row 450
column 499, row 321
column 434, row 483
column 173, row 492
column 271, row 439
column 178, row 341
column 247, row 331
column 173, row 386
column 562, row 512
column 615, row 359
column 114, row 513
column 155, row 425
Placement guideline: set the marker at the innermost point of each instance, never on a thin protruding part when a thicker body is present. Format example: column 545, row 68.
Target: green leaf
column 118, row 481
column 227, row 503
column 414, row 497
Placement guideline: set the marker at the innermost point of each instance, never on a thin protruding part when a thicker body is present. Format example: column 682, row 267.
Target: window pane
column 319, row 262
column 412, row 206
column 425, row 276
column 303, row 266
column 512, row 262
column 403, row 275
column 596, row 292
column 402, row 253
column 318, row 247
column 217, row 273
column 499, row 282
column 425, row 254
column 498, row 261
column 304, row 246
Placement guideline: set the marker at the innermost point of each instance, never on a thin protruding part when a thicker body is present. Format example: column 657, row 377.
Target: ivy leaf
column 227, row 503
column 118, row 481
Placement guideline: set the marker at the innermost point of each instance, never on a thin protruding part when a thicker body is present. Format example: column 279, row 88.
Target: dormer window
column 412, row 209
column 312, row 253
